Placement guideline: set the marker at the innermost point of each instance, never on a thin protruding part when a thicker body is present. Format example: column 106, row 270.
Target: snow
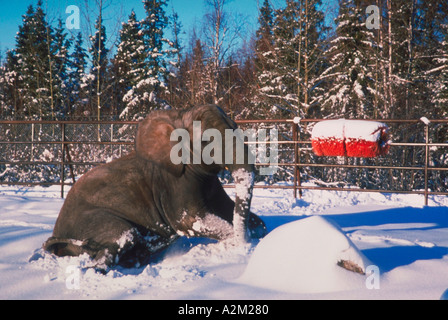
column 425, row 121
column 406, row 241
column 330, row 128
column 364, row 130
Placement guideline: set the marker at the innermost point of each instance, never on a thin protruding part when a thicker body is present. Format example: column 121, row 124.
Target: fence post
column 299, row 159
column 32, row 142
column 294, row 135
column 63, row 159
column 297, row 180
column 111, row 139
column 426, row 161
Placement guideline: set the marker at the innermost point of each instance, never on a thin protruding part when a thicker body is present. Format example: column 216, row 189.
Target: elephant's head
column 196, row 142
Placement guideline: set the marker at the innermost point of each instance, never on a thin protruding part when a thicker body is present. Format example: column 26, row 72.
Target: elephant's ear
column 153, row 144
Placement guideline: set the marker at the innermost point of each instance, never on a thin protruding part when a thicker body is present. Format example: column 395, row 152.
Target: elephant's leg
column 108, row 240
column 221, row 205
column 144, row 246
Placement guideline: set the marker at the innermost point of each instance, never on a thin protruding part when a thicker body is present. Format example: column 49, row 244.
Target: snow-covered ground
column 405, row 243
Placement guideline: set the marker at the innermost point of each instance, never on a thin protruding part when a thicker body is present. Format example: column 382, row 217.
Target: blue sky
column 189, row 11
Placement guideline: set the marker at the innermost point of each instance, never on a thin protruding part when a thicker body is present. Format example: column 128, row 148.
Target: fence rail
column 64, row 147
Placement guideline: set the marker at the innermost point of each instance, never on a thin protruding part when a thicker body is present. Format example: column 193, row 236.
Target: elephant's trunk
column 244, row 181
column 243, row 173
column 237, row 158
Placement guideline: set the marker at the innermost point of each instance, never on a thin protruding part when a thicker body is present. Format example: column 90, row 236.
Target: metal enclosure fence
column 58, row 152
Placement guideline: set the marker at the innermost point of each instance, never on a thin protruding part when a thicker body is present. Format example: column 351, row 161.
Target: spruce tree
column 60, row 47
column 311, row 59
column 158, row 51
column 174, row 53
column 99, row 54
column 441, row 63
column 289, row 80
column 350, row 71
column 3, row 90
column 130, row 68
column 76, row 75
column 278, row 83
column 175, row 81
column 264, row 34
column 430, row 58
column 264, row 63
column 12, row 82
column 33, row 57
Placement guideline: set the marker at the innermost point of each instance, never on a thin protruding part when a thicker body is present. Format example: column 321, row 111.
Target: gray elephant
column 126, row 211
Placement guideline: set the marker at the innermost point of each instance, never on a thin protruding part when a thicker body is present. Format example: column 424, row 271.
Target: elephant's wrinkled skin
column 126, row 210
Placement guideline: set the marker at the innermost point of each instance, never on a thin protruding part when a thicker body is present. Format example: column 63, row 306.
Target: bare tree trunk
column 98, row 82
column 410, row 57
column 50, row 65
column 218, row 20
column 375, row 102
column 220, row 35
column 306, row 68
column 390, row 92
column 381, row 42
column 299, row 63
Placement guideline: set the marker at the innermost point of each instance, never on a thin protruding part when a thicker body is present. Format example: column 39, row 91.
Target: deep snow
column 406, row 241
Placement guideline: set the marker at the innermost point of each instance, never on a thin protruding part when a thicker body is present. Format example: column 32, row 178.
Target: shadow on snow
column 387, row 258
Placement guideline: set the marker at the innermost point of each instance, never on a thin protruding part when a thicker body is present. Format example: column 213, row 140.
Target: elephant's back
column 118, row 186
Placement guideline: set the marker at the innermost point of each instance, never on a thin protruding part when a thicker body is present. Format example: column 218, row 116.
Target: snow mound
column 303, row 257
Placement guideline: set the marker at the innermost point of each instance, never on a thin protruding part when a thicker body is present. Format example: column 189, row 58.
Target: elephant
column 127, row 211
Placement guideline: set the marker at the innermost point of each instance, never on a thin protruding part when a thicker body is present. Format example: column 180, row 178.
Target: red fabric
column 362, row 149
column 329, row 147
column 355, row 148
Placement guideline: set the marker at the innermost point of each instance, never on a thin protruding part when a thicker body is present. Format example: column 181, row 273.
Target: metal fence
column 56, row 153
